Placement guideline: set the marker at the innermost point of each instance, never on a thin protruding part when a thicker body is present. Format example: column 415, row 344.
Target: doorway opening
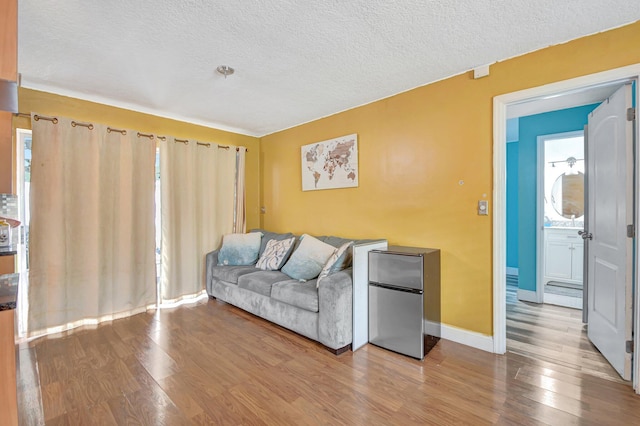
column 561, row 208
column 544, row 318
column 522, row 99
column 23, row 186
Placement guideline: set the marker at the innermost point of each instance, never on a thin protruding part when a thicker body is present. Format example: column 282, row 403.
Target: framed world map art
column 330, row 164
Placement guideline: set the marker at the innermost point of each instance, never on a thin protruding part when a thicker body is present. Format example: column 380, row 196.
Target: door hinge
column 631, row 231
column 631, row 114
column 629, row 346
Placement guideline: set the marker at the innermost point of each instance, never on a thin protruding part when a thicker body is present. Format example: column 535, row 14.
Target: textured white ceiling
column 295, row 61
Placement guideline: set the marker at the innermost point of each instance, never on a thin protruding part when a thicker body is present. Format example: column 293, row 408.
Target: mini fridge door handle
column 395, row 287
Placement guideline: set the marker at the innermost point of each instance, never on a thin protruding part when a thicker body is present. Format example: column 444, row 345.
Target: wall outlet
column 483, row 207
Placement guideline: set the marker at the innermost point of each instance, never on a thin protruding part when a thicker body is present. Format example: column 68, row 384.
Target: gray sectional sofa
column 323, row 314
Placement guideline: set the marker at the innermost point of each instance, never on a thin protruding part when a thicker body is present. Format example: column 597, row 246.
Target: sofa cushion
column 344, row 260
column 267, row 236
column 231, row 274
column 307, row 260
column 334, row 264
column 295, row 293
column 334, row 241
column 275, row 254
column 260, row 282
column 240, row 249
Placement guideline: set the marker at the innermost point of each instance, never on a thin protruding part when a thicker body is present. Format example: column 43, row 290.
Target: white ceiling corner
column 295, row 61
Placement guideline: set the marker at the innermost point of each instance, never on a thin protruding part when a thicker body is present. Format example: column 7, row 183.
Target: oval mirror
column 567, row 195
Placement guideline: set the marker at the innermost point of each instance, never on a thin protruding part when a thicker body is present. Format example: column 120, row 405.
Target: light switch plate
column 483, row 207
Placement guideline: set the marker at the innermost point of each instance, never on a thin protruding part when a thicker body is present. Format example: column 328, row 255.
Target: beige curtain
column 197, row 209
column 92, row 225
column 240, row 222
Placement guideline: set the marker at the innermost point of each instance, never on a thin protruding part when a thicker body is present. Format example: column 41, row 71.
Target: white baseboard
column 459, row 335
column 512, row 271
column 432, row 328
column 527, row 296
column 566, row 301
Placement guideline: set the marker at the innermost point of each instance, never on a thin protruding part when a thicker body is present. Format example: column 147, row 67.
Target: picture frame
column 330, row 164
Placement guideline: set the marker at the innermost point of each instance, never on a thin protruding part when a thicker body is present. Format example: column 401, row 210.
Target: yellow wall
column 414, row 149
column 55, row 105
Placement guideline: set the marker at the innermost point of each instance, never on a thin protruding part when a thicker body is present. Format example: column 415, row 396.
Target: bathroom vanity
column 563, row 255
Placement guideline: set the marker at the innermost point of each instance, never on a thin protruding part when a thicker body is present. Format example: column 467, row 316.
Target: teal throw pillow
column 240, row 249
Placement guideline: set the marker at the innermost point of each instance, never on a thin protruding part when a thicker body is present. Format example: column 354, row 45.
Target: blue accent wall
column 512, row 129
column 512, row 192
column 530, row 128
column 512, row 204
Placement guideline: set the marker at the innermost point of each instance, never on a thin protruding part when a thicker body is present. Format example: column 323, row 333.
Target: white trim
column 635, row 366
column 528, row 296
column 499, row 193
column 539, row 292
column 540, row 256
column 499, row 225
column 432, row 328
column 512, row 271
column 561, row 300
column 466, row 337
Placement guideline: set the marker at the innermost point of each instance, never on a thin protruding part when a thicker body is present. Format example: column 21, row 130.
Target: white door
column 610, row 210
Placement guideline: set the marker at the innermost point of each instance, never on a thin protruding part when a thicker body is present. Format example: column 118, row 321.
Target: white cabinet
column 563, row 255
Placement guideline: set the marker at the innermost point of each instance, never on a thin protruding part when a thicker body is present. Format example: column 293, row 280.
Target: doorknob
column 585, row 235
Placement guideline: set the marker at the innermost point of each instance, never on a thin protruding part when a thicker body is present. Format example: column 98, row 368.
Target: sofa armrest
column 211, row 260
column 335, row 310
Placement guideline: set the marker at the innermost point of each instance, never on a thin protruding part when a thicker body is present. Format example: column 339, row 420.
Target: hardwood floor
column 211, row 363
column 553, row 334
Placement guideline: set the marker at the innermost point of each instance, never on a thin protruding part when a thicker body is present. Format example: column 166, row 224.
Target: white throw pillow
column 327, row 269
column 275, row 254
column 307, row 260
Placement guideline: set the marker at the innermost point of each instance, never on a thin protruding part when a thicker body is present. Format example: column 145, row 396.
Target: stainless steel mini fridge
column 404, row 299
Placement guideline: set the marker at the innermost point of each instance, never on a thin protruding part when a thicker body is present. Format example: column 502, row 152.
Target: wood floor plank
column 149, row 406
column 179, row 388
column 203, row 419
column 211, row 363
column 319, row 413
column 259, row 399
column 52, row 400
column 555, row 335
column 115, row 379
column 156, row 361
column 99, row 415
column 522, row 408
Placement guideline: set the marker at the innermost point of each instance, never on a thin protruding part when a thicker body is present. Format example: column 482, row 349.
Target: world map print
column 330, row 164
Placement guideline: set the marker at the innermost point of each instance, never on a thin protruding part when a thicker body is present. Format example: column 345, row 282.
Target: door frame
column 500, row 104
column 540, row 146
